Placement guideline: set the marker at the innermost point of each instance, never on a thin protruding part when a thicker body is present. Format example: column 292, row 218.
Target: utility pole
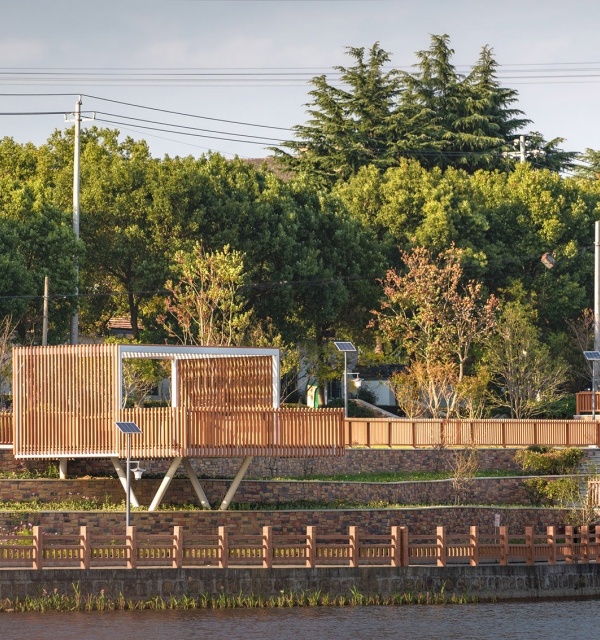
column 74, row 333
column 45, row 321
column 522, row 151
column 596, row 312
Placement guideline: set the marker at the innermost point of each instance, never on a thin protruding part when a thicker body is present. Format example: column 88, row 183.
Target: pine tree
column 351, row 125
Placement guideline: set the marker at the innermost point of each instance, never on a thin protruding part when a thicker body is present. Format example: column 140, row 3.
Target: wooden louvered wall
column 65, row 399
column 233, row 382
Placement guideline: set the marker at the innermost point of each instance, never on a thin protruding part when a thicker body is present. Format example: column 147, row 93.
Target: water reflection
column 510, row 621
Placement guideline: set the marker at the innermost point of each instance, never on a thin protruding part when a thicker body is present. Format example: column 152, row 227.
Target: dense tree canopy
column 375, row 116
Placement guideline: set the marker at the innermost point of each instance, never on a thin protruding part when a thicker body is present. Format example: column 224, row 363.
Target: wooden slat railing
column 583, row 402
column 398, row 548
column 6, row 427
column 405, row 432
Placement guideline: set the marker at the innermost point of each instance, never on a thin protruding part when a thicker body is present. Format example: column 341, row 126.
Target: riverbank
column 482, row 583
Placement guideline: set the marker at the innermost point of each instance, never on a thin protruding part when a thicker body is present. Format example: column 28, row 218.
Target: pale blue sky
column 110, row 37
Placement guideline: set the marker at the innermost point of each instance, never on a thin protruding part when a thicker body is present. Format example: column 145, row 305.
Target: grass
column 55, row 601
column 396, row 476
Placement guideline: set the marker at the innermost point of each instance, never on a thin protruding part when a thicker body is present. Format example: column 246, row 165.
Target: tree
column 436, row 318
column 206, row 302
column 525, row 375
column 352, row 124
column 7, row 331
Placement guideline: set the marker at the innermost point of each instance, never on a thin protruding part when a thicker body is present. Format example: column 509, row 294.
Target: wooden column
column 396, row 547
column 38, row 548
column 529, row 543
column 551, row 541
column 503, row 533
column 568, row 553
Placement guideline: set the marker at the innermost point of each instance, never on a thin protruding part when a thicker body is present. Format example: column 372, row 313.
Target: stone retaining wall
column 483, row 582
column 423, row 520
column 354, row 461
column 504, row 490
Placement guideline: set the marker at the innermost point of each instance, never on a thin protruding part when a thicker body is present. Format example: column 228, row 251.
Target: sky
column 236, row 72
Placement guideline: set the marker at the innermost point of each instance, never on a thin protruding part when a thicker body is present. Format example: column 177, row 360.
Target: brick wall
column 355, row 461
column 421, row 520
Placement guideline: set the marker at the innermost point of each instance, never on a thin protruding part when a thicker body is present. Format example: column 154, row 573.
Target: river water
column 507, row 621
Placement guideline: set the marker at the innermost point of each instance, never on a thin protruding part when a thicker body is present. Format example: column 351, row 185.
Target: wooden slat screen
column 232, row 382
column 64, row 400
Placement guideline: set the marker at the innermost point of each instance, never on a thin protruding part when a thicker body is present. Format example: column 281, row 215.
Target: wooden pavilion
column 224, row 402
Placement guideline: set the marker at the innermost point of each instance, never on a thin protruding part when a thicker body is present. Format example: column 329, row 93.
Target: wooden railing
column 398, row 548
column 178, row 431
column 378, row 432
column 6, row 427
column 583, row 402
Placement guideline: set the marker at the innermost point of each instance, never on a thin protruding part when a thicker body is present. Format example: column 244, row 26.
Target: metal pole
column 345, row 381
column 45, row 321
column 128, row 484
column 522, row 147
column 596, row 312
column 76, row 188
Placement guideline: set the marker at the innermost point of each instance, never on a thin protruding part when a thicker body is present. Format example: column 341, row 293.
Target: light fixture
column 345, row 348
column 137, row 470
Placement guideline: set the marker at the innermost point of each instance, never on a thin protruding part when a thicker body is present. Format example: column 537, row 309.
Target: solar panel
column 344, row 346
column 128, row 427
column 592, row 355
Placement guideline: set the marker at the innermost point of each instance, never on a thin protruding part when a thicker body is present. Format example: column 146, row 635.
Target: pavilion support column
column 164, row 485
column 123, row 478
column 62, row 468
column 195, row 483
column 236, row 483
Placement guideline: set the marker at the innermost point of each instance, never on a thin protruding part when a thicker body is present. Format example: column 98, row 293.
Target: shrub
column 548, row 462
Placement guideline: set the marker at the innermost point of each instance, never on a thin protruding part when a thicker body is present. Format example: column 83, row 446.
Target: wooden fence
column 398, row 548
column 6, row 428
column 583, row 402
column 405, row 432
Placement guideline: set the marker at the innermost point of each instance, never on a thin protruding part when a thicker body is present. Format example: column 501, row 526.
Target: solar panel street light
column 129, row 428
column 345, row 348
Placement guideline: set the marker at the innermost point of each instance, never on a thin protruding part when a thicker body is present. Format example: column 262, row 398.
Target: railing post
column 529, row 544
column 368, row 434
column 84, row 552
column 584, row 541
column 404, row 548
column 390, row 433
column 177, row 547
column 474, row 546
column 38, row 548
column 441, row 546
column 311, row 539
column 414, row 434
column 551, row 533
column 597, row 542
column 569, row 544
column 503, row 430
column 353, row 535
column 223, row 548
column 267, row 547
column 503, row 533
column 396, row 548
column 131, row 546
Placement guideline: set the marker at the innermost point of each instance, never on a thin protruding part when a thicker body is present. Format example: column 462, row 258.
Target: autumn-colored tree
column 435, row 318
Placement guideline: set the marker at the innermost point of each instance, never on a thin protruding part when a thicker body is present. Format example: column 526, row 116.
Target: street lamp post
column 345, row 348
column 129, row 428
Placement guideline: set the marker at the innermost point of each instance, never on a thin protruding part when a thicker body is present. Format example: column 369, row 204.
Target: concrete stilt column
column 195, row 483
column 164, row 485
column 123, row 478
column 236, row 483
column 62, row 468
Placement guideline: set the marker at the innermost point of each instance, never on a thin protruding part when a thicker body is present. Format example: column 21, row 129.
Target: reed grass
column 77, row 601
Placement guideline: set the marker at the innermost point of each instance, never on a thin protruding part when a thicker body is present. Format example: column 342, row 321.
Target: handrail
column 225, row 548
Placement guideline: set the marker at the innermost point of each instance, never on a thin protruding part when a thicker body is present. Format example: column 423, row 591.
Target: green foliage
column 548, row 462
column 562, row 492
